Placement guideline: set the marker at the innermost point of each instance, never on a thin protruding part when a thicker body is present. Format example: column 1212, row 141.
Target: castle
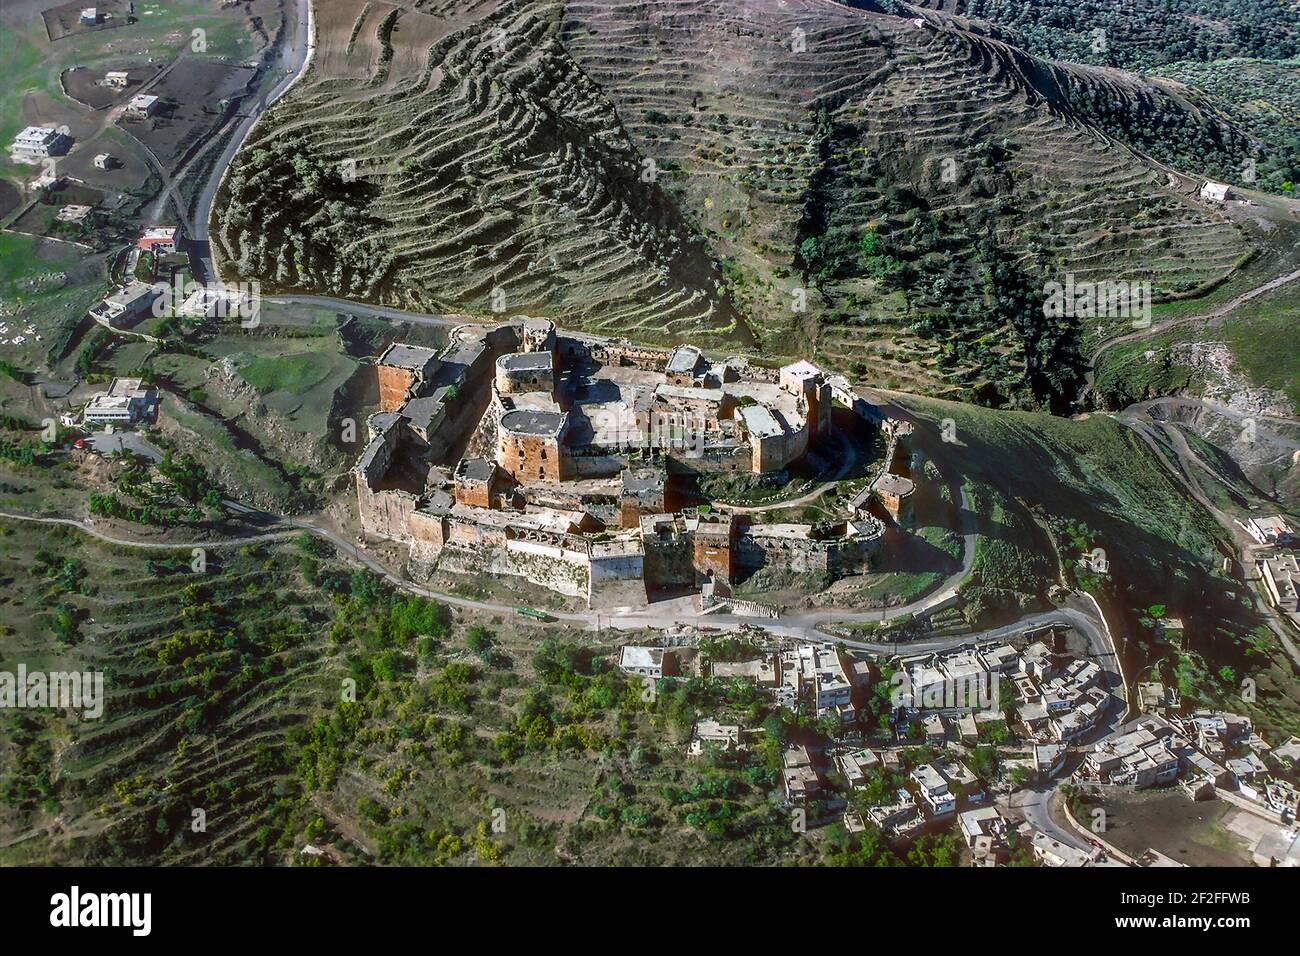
column 520, row 451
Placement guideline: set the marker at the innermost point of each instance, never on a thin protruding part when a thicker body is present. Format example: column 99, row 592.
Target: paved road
column 660, row 615
column 292, row 63
column 365, row 309
column 1157, row 327
column 1180, row 469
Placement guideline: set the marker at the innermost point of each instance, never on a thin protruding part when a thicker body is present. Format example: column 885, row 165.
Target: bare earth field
column 65, row 20
column 87, row 86
column 1167, row 820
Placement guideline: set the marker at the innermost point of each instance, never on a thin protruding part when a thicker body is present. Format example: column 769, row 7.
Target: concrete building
column 1051, row 852
column 159, row 240
column 822, row 669
column 35, row 143
column 709, row 734
column 142, row 106
column 1281, row 576
column 1137, row 755
column 855, row 766
column 129, row 303
column 73, row 213
column 126, row 402
column 1215, row 192
column 651, row 662
column 984, row 829
column 933, row 789
column 1273, row 529
column 800, row 778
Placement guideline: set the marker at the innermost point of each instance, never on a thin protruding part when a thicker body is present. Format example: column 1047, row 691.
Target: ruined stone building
column 525, row 452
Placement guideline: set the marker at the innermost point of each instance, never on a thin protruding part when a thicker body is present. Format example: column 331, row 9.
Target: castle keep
column 519, row 451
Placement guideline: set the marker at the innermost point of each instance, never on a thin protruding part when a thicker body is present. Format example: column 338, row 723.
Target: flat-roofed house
column 159, row 240
column 126, row 402
column 799, row 776
column 129, row 303
column 1281, row 576
column 1273, row 529
column 1215, row 192
column 143, row 105
column 934, row 790
column 652, row 662
column 36, row 143
column 855, row 766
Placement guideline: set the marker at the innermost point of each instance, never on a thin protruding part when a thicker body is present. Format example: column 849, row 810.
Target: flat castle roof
column 475, row 469
column 525, row 361
column 528, row 421
column 411, row 357
column 759, row 421
column 891, row 484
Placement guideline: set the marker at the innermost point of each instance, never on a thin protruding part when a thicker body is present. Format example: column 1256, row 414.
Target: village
column 916, row 743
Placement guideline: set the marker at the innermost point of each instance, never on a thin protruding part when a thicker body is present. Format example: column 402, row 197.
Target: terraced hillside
column 879, row 190
column 924, row 181
column 449, row 154
column 1132, row 33
column 282, row 699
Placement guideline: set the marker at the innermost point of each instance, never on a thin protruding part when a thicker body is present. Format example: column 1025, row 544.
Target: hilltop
column 869, row 187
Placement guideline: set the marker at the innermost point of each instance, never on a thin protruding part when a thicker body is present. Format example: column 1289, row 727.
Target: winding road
column 1163, row 326
column 292, row 62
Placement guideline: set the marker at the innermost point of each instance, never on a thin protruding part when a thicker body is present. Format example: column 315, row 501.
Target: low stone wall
column 832, row 556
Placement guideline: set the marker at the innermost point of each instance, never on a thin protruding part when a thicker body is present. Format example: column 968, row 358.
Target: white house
column 129, row 302
column 934, row 790
column 1215, row 192
column 142, row 105
column 126, row 401
column 645, row 661
column 36, row 143
column 1271, row 530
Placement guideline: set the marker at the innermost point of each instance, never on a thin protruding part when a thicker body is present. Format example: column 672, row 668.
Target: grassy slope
column 1093, row 470
column 1252, row 332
